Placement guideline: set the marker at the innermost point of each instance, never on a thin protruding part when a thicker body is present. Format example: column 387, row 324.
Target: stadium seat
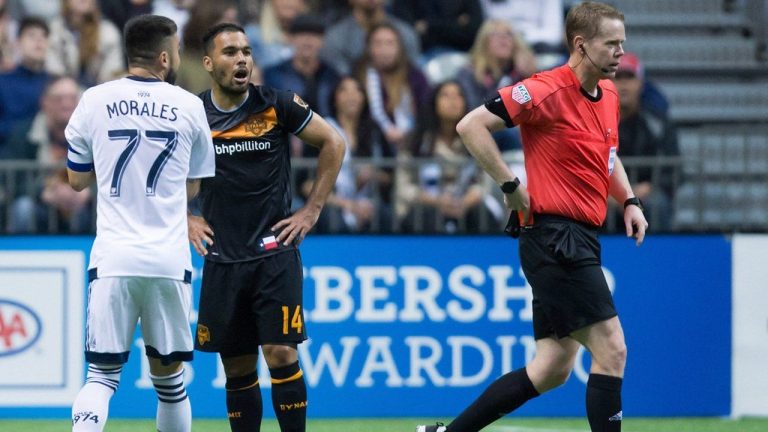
column 706, row 101
column 445, row 66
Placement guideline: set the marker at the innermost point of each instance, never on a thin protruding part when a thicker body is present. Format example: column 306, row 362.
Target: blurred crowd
column 393, row 76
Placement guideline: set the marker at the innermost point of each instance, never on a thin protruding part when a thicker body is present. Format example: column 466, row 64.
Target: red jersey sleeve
column 521, row 100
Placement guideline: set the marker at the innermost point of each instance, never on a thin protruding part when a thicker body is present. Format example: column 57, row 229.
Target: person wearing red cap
column 568, row 119
column 644, row 133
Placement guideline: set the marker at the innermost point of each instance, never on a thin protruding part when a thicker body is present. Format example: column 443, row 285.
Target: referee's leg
column 605, row 341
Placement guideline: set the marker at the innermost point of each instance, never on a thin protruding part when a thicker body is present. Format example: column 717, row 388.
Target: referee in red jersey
column 569, row 121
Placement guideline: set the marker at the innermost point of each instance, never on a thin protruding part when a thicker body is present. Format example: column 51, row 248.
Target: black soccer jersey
column 252, row 189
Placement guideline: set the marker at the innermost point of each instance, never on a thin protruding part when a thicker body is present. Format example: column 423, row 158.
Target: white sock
column 91, row 407
column 174, row 413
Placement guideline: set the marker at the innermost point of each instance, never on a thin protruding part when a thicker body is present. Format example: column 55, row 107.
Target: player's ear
column 164, row 58
column 208, row 63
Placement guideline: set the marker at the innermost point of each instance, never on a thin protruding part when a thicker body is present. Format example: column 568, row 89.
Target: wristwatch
column 509, row 187
column 634, row 201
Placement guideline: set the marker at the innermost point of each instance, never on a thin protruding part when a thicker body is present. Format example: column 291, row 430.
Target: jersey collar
column 143, row 79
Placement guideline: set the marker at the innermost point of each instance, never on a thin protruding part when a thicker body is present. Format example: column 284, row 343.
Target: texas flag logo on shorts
column 520, row 94
column 268, row 243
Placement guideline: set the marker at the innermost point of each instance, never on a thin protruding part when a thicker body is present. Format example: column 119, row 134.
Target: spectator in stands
column 8, row 31
column 442, row 25
column 21, row 88
column 305, row 73
column 331, row 10
column 540, row 22
column 362, row 191
column 396, row 89
column 120, row 11
column 345, row 40
column 42, row 139
column 643, row 133
column 445, row 195
column 498, row 58
column 269, row 39
column 83, row 45
column 203, row 15
column 176, row 10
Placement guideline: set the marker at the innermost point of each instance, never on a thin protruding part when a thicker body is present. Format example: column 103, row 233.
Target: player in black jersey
column 252, row 280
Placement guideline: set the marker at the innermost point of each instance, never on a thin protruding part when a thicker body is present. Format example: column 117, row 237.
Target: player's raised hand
column 200, row 234
column 294, row 228
column 635, row 223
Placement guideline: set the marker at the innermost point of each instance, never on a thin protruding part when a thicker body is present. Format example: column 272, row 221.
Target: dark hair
column 307, row 24
column 32, row 22
column 145, row 37
column 216, row 30
column 585, row 18
column 428, row 122
column 368, row 133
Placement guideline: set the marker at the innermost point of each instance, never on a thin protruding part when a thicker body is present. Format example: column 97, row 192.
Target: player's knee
column 559, row 375
column 613, row 359
column 157, row 368
column 279, row 355
column 239, row 366
column 619, row 355
column 551, row 374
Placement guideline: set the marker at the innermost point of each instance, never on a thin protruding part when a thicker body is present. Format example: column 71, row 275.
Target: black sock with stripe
column 289, row 397
column 604, row 403
column 244, row 405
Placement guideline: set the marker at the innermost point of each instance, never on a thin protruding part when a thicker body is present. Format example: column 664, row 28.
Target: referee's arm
column 621, row 190
column 475, row 130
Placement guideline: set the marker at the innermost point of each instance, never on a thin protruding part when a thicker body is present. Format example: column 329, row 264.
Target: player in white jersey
column 147, row 144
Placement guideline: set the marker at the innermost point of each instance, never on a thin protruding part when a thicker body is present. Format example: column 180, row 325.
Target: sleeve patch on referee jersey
column 299, row 101
column 520, row 94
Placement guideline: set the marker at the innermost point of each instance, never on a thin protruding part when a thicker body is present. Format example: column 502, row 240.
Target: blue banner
column 419, row 326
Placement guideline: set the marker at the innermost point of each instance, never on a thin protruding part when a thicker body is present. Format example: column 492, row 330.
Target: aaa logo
column 20, row 327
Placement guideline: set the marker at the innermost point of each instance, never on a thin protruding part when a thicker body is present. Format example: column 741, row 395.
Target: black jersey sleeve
column 292, row 112
column 496, row 106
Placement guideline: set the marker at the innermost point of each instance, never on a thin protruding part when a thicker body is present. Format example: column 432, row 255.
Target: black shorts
column 561, row 261
column 247, row 304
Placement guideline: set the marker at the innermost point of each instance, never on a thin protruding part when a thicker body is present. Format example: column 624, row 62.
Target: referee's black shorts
column 561, row 261
column 247, row 304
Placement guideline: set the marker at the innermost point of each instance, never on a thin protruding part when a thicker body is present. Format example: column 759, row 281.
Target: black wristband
column 509, row 187
column 635, row 201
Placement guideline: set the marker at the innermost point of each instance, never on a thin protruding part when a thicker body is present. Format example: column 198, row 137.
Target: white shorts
column 117, row 304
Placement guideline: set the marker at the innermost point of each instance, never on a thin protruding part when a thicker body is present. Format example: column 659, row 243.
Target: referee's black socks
column 289, row 397
column 604, row 403
column 502, row 397
column 244, row 407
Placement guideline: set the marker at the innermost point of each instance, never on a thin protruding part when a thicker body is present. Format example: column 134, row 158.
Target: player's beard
column 224, row 80
column 170, row 77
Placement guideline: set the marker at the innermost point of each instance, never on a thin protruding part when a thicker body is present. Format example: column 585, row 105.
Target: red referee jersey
column 570, row 141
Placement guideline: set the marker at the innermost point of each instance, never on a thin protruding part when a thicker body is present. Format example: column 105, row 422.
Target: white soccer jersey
column 144, row 139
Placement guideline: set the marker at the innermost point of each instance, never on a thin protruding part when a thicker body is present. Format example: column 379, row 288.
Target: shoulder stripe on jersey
column 254, row 126
column 306, row 122
column 74, row 166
